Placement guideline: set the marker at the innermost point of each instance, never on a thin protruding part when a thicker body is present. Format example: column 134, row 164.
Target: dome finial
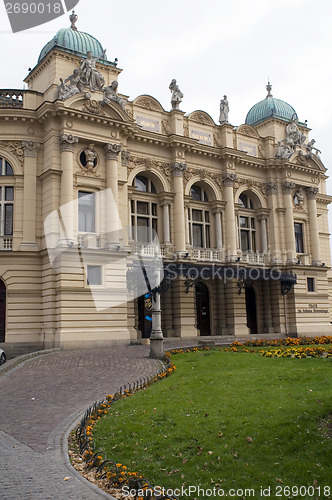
column 73, row 18
column 269, row 88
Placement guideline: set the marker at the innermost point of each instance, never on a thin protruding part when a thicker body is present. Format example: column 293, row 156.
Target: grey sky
column 211, row 47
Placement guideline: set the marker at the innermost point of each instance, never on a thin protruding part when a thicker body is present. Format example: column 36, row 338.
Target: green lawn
column 236, row 420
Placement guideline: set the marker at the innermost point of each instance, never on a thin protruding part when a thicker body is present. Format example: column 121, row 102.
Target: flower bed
column 113, row 475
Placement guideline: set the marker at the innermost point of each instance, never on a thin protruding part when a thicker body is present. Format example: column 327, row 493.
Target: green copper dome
column 74, row 41
column 270, row 107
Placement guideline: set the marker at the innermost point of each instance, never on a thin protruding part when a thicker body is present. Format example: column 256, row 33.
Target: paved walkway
column 39, row 401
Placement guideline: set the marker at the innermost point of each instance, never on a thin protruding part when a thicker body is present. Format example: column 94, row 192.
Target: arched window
column 5, row 167
column 144, row 184
column 199, row 218
column 6, row 203
column 144, row 210
column 247, row 224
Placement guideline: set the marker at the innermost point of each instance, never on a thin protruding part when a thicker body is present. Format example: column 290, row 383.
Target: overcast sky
column 211, row 47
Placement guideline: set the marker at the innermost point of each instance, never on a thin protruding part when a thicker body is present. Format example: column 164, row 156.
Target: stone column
column 230, row 221
column 263, row 233
column 156, row 337
column 313, row 225
column 112, row 214
column 217, row 215
column 179, row 215
column 275, row 252
column 166, row 228
column 67, row 144
column 30, row 149
column 288, row 188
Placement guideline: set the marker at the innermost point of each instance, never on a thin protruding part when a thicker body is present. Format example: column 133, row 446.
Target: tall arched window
column 144, row 210
column 247, row 224
column 199, row 218
column 6, row 203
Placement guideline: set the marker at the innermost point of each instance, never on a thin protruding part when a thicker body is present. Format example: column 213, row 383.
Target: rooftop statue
column 293, row 132
column 111, row 94
column 70, row 86
column 224, row 110
column 294, row 137
column 89, row 75
column 309, row 147
column 177, row 95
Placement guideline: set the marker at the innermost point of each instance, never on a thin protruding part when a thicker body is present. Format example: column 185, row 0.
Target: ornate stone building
column 240, row 212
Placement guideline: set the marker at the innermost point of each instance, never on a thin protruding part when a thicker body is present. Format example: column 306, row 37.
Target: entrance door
column 145, row 315
column 2, row 311
column 251, row 309
column 202, row 309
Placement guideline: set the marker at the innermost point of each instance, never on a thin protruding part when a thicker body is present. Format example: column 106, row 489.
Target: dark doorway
column 2, row 311
column 251, row 309
column 145, row 315
column 202, row 309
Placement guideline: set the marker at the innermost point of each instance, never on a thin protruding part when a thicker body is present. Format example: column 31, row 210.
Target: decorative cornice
column 229, row 178
column 312, row 192
column 67, row 142
column 30, row 148
column 112, row 151
column 178, row 169
column 287, row 187
column 271, row 188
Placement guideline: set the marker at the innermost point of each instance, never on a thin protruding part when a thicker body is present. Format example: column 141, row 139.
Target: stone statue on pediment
column 309, row 147
column 224, row 110
column 90, row 76
column 285, row 149
column 293, row 132
column 177, row 95
column 111, row 94
column 70, row 86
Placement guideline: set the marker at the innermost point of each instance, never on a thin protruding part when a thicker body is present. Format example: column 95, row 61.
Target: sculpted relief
column 87, row 78
column 295, row 139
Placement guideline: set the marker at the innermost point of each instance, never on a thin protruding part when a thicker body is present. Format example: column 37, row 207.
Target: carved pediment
column 314, row 162
column 248, row 131
column 148, row 102
column 95, row 106
column 201, row 117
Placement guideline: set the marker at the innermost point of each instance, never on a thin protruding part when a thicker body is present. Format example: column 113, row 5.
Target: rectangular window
column 311, row 284
column 143, row 231
column 8, row 226
column 86, row 212
column 93, row 275
column 245, row 245
column 198, row 235
column 142, row 208
column 9, row 194
column 197, row 215
column 298, row 228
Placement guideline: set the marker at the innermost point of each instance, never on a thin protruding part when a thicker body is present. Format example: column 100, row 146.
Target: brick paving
column 36, row 399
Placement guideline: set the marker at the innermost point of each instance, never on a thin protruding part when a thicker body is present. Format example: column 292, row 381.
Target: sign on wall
column 202, row 137
column 148, row 123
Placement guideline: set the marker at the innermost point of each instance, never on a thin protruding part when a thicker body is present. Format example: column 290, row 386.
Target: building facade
column 91, row 183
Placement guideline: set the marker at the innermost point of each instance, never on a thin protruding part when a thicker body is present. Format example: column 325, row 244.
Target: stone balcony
column 6, row 243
